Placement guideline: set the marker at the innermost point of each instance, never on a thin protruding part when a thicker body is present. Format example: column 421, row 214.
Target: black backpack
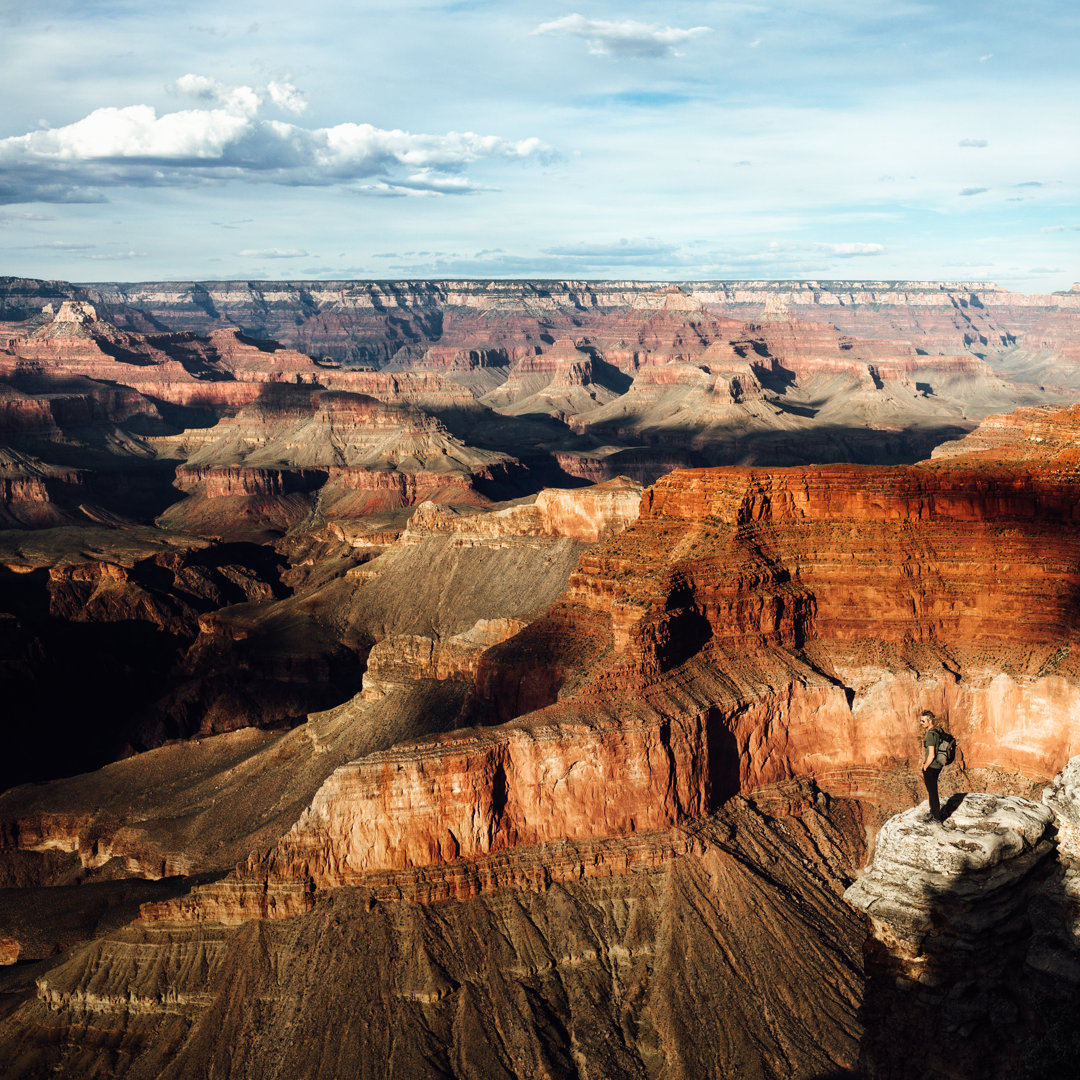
column 946, row 748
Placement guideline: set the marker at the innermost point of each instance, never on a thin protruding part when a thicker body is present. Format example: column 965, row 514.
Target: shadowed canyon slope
column 404, row 722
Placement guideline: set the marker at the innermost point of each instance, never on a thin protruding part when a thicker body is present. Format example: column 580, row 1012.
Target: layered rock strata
column 600, row 956
column 749, row 628
column 588, row 514
column 374, row 320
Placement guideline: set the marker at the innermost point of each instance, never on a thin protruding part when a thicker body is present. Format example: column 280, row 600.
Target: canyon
column 524, row 675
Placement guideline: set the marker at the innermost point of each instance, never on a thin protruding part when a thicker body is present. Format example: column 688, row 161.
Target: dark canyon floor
column 519, row 679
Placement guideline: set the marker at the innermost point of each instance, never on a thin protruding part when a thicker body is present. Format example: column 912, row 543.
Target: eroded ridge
column 750, row 627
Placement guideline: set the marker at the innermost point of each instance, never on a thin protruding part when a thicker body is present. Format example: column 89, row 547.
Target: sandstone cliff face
column 372, row 320
column 744, row 631
column 588, row 514
column 1026, row 435
column 396, row 662
column 350, row 454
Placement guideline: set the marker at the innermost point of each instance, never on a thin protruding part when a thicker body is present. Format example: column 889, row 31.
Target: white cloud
column 623, row 38
column 285, row 96
column 358, row 146
column 238, row 99
column 973, row 190
column 135, row 145
column 120, row 255
column 134, row 132
column 848, row 251
column 980, row 143
column 273, row 253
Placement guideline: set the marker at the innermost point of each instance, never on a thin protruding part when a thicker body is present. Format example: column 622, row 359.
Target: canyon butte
column 520, row 679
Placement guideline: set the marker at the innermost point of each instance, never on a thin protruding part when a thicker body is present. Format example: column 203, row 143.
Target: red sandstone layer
column 751, row 627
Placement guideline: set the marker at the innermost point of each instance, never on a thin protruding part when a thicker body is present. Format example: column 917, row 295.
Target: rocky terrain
column 341, row 708
column 372, row 322
column 594, row 380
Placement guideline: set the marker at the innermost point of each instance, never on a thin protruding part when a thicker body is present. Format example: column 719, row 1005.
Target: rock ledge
column 928, row 883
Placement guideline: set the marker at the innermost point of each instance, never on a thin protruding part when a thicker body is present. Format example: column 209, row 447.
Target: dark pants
column 930, row 778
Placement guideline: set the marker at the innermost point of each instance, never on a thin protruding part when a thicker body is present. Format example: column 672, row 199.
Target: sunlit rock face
column 750, row 628
column 588, row 514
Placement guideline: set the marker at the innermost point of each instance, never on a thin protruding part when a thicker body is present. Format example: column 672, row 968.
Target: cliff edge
column 973, row 954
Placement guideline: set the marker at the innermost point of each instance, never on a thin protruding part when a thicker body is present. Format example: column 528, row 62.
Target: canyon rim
column 457, row 678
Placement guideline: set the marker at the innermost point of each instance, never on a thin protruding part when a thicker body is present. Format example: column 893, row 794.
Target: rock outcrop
column 973, row 950
column 588, row 514
column 937, row 894
column 9, row 950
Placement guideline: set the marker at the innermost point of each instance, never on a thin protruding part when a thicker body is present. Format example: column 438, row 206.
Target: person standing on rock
column 931, row 768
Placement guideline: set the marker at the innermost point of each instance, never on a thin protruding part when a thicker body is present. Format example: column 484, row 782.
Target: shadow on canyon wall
column 542, row 442
column 95, row 666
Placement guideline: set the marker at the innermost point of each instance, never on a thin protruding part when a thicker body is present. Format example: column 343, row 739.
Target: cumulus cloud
column 228, row 139
column 625, row 38
column 285, row 96
column 239, row 99
column 980, row 143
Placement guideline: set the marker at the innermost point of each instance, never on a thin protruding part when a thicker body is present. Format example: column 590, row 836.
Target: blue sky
column 412, row 138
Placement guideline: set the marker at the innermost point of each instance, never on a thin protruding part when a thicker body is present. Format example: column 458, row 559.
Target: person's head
column 927, row 719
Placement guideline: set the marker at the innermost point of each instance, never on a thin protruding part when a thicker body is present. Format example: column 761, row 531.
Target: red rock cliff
column 751, row 627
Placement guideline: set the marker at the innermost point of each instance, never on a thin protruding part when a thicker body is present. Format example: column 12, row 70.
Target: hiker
column 933, row 737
